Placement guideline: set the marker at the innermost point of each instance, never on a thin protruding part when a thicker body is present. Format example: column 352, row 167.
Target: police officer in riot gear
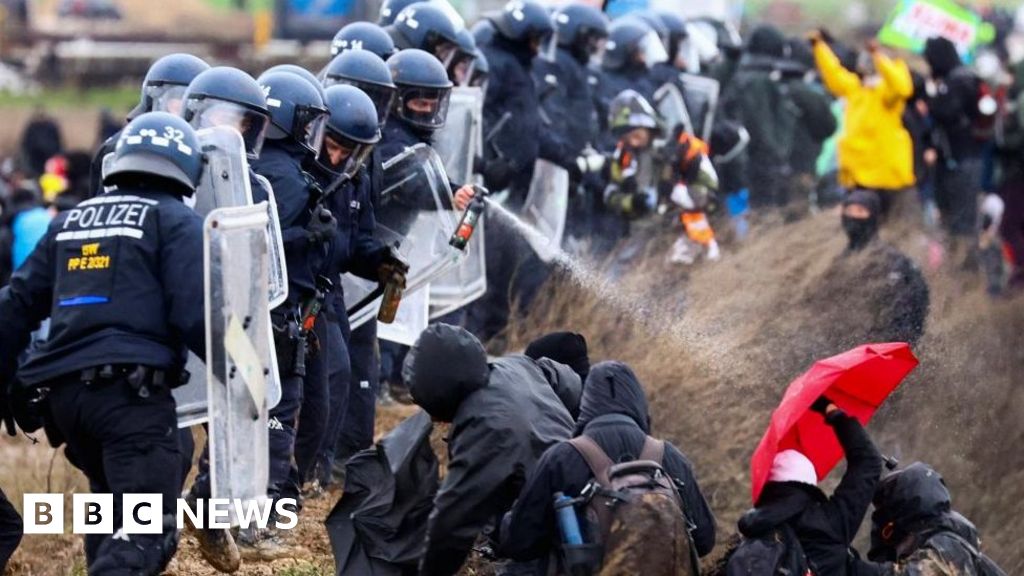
column 224, row 96
column 162, row 91
column 366, row 71
column 425, row 26
column 580, row 32
column 352, row 132
column 633, row 47
column 363, row 36
column 297, row 117
column 121, row 278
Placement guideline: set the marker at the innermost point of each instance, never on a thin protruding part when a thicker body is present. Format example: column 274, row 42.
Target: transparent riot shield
column 466, row 283
column 461, row 138
column 669, row 103
column 225, row 183
column 236, row 257
column 701, row 97
column 411, row 320
column 545, row 208
column 416, row 216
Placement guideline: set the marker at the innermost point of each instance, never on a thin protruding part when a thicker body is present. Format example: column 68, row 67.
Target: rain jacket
column 954, row 105
column 503, row 415
column 614, row 414
column 875, row 149
column 915, row 527
column 825, row 525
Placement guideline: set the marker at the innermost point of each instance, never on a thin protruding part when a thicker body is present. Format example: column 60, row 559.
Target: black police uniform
column 120, row 277
column 281, row 164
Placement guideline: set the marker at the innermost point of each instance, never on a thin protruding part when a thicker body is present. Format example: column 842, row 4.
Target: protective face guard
column 699, row 47
column 211, row 112
column 701, row 98
column 652, row 50
column 237, row 320
column 351, row 165
column 546, row 207
column 166, row 97
column 225, row 183
column 416, row 213
column 308, row 127
column 432, row 119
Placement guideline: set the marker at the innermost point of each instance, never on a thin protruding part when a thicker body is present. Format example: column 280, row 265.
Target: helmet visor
column 166, row 98
column 209, row 112
column 460, row 67
column 652, row 50
column 309, row 127
column 698, row 47
column 342, row 156
column 381, row 96
column 424, row 107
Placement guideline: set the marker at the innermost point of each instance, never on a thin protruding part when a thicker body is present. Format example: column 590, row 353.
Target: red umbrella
column 857, row 381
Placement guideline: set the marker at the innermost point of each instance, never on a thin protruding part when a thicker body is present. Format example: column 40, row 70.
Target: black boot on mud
column 216, row 545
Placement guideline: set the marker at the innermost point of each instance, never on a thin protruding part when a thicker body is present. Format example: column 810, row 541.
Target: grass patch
column 118, row 98
column 305, row 569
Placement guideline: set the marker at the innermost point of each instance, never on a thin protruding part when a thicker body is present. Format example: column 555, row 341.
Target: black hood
column 565, row 382
column 942, row 56
column 767, row 40
column 779, row 503
column 443, row 368
column 613, row 388
column 910, row 501
column 569, row 348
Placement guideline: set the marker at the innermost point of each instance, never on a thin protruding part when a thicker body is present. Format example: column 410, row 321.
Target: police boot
column 266, row 545
column 216, row 545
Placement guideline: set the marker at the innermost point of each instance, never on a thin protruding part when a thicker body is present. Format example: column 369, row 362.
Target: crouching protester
column 503, row 415
column 658, row 521
column 915, row 532
column 796, row 528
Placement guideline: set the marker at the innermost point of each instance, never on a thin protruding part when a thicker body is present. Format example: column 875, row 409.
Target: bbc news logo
column 143, row 513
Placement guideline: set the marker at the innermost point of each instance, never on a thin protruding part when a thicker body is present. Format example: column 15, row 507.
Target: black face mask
column 860, row 231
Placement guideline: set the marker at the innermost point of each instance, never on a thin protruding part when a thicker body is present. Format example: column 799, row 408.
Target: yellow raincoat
column 875, row 150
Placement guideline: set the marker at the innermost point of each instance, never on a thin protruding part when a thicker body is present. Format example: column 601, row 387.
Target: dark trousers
column 357, row 432
column 339, row 385
column 281, row 434
column 956, row 195
column 10, row 530
column 124, row 443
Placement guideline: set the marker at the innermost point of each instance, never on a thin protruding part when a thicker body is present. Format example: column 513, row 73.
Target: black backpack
column 983, row 565
column 777, row 553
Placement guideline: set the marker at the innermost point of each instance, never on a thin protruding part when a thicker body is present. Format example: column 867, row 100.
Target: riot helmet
column 165, row 83
column 298, row 71
column 483, row 32
column 352, row 130
column 363, row 36
column 428, row 27
column 653, row 19
column 524, row 21
column 224, row 96
column 460, row 65
column 632, row 41
column 157, row 145
column 390, row 10
column 423, row 89
column 297, row 110
column 581, row 29
column 366, row 71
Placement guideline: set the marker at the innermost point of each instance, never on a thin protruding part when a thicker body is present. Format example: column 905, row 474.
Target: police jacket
column 825, row 525
column 511, row 90
column 280, row 163
column 614, row 414
column 502, row 420
column 121, row 278
column 569, row 103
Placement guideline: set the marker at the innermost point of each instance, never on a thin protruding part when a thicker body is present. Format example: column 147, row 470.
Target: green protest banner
column 912, row 22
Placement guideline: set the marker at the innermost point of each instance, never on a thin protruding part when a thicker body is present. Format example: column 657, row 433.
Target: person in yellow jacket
column 875, row 150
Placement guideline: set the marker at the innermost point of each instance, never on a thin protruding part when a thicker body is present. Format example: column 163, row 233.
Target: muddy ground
column 715, row 346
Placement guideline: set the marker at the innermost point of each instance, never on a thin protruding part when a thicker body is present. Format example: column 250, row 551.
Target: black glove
column 322, row 225
column 820, row 405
